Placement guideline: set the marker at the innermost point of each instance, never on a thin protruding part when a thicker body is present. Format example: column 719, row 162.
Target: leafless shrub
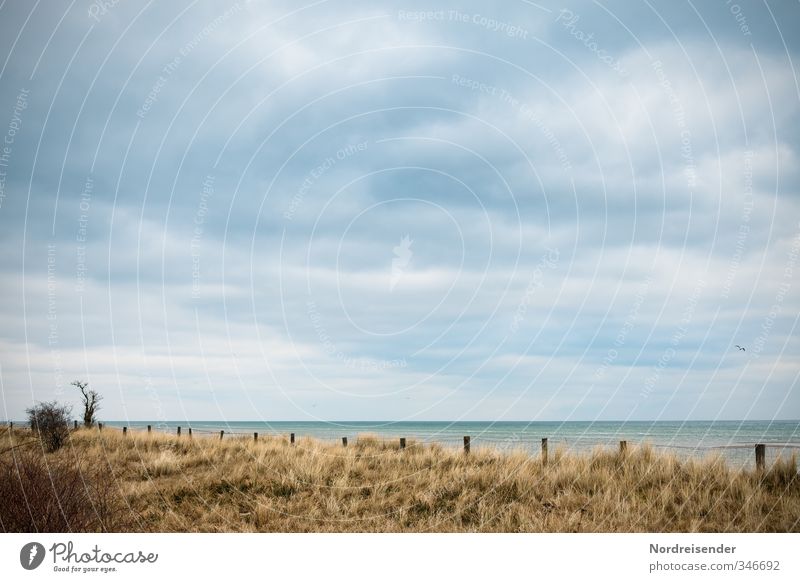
column 50, row 420
column 47, row 493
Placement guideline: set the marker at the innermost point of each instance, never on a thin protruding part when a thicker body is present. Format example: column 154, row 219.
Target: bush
column 50, row 421
column 40, row 493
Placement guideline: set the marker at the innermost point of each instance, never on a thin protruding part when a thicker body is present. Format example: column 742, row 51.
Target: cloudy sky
column 401, row 210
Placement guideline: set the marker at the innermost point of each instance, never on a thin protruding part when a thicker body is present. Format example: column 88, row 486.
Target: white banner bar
column 400, row 557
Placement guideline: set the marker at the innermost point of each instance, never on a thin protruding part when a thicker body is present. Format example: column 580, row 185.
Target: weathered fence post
column 149, row 428
column 99, row 426
column 179, row 431
column 124, row 431
column 761, row 457
column 623, row 446
column 466, row 444
column 190, row 432
column 402, row 442
column 221, row 434
column 11, row 425
column 255, row 436
column 544, row 451
column 344, row 441
column 291, row 438
column 75, row 425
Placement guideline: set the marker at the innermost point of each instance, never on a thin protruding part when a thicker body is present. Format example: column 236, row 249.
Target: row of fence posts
column 761, row 449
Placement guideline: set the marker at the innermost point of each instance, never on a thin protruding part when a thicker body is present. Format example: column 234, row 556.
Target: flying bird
column 740, row 348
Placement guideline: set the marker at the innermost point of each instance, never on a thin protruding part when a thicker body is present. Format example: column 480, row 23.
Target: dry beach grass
column 161, row 483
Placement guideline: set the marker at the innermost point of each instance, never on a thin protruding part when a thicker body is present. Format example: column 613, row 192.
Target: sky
column 401, row 210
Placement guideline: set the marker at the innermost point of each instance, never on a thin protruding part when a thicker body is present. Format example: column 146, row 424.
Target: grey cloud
column 679, row 173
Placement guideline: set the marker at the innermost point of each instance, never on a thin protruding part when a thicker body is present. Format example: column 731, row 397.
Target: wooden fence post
column 255, row 436
column 11, row 425
column 544, row 451
column 466, row 444
column 75, row 425
column 221, row 434
column 179, row 431
column 99, row 426
column 344, row 441
column 761, row 457
column 190, row 432
column 124, row 431
column 291, row 438
column 402, row 442
column 623, row 446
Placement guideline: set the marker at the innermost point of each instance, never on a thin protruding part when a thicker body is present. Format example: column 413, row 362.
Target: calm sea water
column 734, row 440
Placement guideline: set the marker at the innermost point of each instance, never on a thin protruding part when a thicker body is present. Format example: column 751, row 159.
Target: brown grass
column 42, row 492
column 169, row 484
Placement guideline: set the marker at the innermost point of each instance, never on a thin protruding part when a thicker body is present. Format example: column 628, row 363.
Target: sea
column 733, row 440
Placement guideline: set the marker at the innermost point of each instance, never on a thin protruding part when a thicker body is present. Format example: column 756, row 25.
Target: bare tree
column 91, row 402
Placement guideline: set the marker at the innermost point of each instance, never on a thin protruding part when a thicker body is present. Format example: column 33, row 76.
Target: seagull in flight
column 740, row 348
